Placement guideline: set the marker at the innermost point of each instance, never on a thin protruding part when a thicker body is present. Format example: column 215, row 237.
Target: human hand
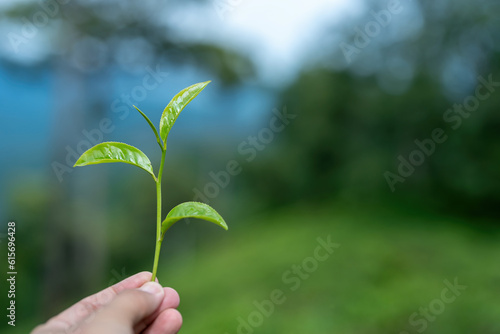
column 131, row 306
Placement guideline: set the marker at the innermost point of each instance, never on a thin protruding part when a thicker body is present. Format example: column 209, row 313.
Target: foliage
column 110, row 152
column 349, row 133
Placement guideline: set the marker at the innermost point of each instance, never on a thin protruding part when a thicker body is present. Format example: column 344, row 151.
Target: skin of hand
column 134, row 305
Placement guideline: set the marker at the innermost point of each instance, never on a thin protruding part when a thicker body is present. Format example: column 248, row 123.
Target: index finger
column 132, row 282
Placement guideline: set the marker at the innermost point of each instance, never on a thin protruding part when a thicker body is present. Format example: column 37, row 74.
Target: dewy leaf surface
column 109, row 152
column 175, row 106
column 192, row 210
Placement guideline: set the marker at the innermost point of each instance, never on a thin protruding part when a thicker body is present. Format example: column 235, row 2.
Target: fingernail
column 152, row 287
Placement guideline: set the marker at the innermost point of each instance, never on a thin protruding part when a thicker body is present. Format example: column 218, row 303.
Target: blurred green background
column 369, row 126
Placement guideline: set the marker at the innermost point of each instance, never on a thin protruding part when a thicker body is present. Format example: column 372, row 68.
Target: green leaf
column 115, row 152
column 175, row 106
column 192, row 210
column 151, row 125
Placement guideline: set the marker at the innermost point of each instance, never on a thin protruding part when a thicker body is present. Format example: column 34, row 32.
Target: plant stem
column 158, row 214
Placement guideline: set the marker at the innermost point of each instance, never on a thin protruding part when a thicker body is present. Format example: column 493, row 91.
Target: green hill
column 388, row 275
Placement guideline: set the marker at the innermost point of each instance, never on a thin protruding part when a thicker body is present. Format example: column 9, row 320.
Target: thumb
column 128, row 309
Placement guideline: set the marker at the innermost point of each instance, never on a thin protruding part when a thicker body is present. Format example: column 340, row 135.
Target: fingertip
column 144, row 275
column 168, row 322
column 174, row 318
column 153, row 288
column 133, row 281
column 171, row 297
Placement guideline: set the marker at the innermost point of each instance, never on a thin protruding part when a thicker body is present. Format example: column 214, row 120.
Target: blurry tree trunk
column 76, row 231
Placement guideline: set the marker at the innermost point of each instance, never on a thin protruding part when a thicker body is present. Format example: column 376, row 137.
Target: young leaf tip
column 152, row 126
column 176, row 105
